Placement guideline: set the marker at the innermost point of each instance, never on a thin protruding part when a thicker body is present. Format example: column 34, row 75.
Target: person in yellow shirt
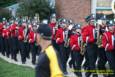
column 49, row 64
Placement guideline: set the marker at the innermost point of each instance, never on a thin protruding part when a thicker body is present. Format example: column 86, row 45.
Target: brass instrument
column 83, row 48
column 99, row 41
column 66, row 39
column 99, row 37
column 66, row 44
column 25, row 35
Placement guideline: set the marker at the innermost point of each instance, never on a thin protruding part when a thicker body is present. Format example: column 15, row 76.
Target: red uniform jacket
column 21, row 33
column 31, row 37
column 88, row 34
column 13, row 29
column 75, row 42
column 52, row 25
column 6, row 33
column 1, row 28
column 60, row 36
column 108, row 41
column 114, row 30
column 84, row 33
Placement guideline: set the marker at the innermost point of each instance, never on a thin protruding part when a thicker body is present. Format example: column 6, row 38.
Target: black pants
column 92, row 57
column 1, row 43
column 7, row 47
column 86, row 63
column 22, row 51
column 77, row 58
column 33, row 52
column 71, row 62
column 55, row 45
column 67, row 51
column 102, row 59
column 27, row 49
column 62, row 54
column 14, row 50
column 17, row 44
column 111, row 60
column 10, row 46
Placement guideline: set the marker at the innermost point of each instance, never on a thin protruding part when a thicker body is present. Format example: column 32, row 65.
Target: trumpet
column 66, row 39
column 99, row 37
column 83, row 48
column 66, row 44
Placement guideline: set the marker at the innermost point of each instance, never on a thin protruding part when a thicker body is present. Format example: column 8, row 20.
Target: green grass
column 12, row 70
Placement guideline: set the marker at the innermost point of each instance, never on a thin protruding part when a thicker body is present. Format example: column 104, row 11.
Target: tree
column 31, row 7
column 4, row 13
column 5, row 3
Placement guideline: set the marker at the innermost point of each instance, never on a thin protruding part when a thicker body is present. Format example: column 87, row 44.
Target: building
column 77, row 10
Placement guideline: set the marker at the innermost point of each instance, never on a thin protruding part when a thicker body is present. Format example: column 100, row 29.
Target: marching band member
column 1, row 39
column 13, row 30
column 83, row 44
column 75, row 40
column 91, row 48
column 101, row 51
column 21, row 42
column 31, row 40
column 108, row 44
column 60, row 41
column 52, row 25
column 6, row 35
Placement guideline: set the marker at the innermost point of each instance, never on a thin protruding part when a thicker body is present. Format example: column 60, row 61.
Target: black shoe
column 87, row 74
column 23, row 62
column 95, row 75
column 28, row 57
column 33, row 63
column 85, row 67
column 3, row 54
column 65, row 73
column 105, row 76
column 8, row 56
column 15, row 60
column 70, row 65
column 78, row 74
column 11, row 57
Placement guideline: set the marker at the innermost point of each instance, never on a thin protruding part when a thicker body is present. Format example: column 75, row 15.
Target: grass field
column 12, row 70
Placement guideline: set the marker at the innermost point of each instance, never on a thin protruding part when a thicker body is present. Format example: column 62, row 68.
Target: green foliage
column 5, row 3
column 12, row 70
column 4, row 13
column 31, row 7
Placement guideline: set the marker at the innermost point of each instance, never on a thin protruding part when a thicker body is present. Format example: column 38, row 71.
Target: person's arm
column 84, row 35
column 59, row 37
column 74, row 43
column 54, row 63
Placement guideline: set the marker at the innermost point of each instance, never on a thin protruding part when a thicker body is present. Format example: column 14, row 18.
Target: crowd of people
column 94, row 42
column 17, row 35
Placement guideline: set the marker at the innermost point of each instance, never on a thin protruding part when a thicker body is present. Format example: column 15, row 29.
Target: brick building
column 78, row 9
